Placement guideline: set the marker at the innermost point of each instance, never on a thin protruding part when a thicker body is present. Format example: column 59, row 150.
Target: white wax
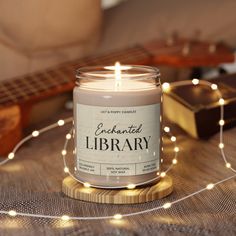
column 128, row 93
column 106, row 93
column 122, row 85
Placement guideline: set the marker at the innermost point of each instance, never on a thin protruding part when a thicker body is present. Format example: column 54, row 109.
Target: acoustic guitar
column 18, row 95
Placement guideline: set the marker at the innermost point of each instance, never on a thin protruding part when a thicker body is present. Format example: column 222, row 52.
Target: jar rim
column 107, row 72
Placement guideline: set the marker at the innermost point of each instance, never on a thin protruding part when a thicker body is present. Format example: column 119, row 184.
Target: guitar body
column 10, row 128
column 14, row 119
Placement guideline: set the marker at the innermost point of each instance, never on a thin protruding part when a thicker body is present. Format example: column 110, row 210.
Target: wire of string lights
column 166, row 87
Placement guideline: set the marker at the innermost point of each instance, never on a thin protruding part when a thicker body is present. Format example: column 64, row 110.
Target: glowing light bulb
column 174, row 161
column 221, row 101
column 165, row 87
column 131, row 186
column 61, row 122
column 11, row 155
column 214, row 87
column 163, row 174
column 221, row 145
column 12, row 213
column 167, row 205
column 210, row 186
column 35, row 133
column 68, row 136
column 117, row 216
column 66, row 169
column 176, row 149
column 221, row 122
column 87, row 185
column 65, row 217
column 228, row 165
column 63, row 152
column 173, row 138
column 195, row 81
column 167, row 129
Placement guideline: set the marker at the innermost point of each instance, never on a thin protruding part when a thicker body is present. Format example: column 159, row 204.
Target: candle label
column 118, row 141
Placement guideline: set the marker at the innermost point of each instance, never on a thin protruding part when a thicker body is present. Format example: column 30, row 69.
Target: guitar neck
column 181, row 52
column 40, row 85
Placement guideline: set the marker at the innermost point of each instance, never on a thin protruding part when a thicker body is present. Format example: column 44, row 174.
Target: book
column 196, row 109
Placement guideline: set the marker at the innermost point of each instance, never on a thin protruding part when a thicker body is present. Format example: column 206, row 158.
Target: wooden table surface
column 32, row 183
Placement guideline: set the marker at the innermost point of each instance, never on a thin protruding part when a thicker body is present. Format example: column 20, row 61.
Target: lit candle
column 117, row 113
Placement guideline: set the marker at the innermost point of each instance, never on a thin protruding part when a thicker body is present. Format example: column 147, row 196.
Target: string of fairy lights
column 166, row 87
column 131, row 185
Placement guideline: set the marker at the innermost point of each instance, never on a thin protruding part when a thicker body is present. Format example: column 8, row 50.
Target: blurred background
column 35, row 35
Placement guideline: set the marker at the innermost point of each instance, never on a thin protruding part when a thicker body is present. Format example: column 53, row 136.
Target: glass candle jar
column 117, row 119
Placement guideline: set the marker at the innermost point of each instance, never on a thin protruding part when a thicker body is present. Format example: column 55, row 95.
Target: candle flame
column 117, row 75
column 122, row 67
column 117, row 71
column 117, row 68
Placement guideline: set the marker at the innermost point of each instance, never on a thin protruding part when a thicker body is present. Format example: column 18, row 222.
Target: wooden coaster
column 76, row 190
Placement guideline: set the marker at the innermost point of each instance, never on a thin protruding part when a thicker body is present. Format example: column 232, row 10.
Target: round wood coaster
column 76, row 190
